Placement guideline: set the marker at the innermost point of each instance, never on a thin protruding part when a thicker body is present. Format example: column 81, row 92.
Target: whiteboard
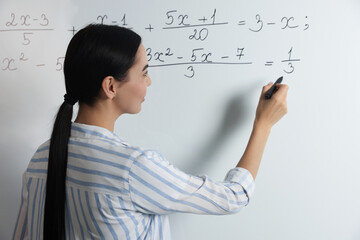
column 208, row 61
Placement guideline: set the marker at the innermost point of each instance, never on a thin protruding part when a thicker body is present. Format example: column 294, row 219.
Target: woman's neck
column 99, row 115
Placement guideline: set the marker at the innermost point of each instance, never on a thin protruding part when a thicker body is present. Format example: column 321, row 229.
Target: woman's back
column 98, row 203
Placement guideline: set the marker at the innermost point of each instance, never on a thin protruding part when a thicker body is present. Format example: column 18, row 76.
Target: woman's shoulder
column 44, row 146
column 137, row 151
column 42, row 150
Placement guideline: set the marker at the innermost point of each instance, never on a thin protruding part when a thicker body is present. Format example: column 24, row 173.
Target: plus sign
column 203, row 19
column 149, row 28
column 73, row 30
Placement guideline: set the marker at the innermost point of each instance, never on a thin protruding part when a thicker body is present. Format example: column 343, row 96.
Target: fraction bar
column 22, row 30
column 291, row 60
column 201, row 63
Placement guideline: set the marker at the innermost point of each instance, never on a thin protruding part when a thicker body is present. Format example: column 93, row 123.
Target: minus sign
column 40, row 65
column 180, row 57
column 225, row 57
column 271, row 23
column 114, row 22
column 35, row 19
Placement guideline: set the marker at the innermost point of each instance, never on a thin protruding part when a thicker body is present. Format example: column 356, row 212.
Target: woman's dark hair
column 95, row 52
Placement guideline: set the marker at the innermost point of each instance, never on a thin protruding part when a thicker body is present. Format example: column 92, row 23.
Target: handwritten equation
column 197, row 29
column 200, row 56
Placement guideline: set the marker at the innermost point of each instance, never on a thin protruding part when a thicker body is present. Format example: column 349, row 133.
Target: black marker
column 271, row 91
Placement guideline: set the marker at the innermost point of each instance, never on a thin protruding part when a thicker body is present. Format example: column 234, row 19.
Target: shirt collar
column 95, row 132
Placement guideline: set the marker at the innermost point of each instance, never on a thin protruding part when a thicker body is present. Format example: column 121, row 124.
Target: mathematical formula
column 196, row 29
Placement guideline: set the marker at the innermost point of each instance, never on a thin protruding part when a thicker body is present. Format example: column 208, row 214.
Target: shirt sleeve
column 157, row 187
column 20, row 231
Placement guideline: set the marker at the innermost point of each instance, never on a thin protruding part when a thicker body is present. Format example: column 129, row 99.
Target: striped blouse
column 118, row 191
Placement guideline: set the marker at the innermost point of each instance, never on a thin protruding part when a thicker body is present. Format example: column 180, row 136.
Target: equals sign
column 269, row 63
column 241, row 23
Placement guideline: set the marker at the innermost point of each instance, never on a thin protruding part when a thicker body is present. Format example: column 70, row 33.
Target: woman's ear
column 108, row 85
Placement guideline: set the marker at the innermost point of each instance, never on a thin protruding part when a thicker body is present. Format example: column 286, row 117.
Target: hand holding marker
column 271, row 91
column 270, row 110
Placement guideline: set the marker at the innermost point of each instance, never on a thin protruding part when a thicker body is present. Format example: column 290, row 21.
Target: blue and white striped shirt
column 117, row 191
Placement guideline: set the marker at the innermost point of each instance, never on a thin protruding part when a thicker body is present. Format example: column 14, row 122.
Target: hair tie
column 69, row 100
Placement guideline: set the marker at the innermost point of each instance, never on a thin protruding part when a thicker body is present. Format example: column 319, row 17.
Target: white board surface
column 208, row 61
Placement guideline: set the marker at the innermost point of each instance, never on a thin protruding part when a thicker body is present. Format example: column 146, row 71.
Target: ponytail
column 54, row 217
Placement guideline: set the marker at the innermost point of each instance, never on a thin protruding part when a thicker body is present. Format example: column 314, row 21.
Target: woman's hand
column 270, row 111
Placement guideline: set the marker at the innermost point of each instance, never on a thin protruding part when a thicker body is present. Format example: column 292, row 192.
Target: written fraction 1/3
column 198, row 30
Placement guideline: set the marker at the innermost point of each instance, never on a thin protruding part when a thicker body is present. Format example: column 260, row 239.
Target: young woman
column 88, row 183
